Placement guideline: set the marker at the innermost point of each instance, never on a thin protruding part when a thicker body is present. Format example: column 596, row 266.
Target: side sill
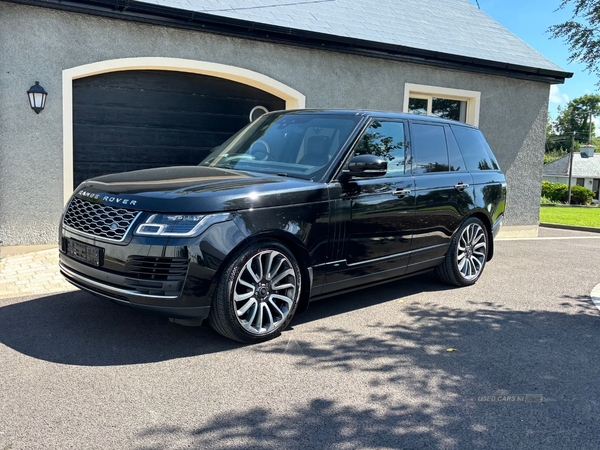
column 367, row 285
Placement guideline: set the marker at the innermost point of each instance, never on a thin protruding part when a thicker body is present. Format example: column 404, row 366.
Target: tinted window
column 474, row 149
column 429, row 148
column 457, row 163
column 385, row 139
column 300, row 144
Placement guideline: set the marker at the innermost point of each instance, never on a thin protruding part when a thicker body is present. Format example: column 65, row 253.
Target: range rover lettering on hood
column 107, row 198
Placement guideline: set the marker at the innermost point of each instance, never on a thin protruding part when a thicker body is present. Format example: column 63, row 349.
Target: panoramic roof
column 454, row 27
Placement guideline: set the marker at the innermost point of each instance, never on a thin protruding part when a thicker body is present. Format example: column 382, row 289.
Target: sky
column 530, row 20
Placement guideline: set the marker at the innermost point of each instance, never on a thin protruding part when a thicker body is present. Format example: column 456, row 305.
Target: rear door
column 443, row 192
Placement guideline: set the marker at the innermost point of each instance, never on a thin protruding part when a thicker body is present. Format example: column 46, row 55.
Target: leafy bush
column 559, row 193
column 555, row 192
column 554, row 155
column 581, row 195
column 547, row 201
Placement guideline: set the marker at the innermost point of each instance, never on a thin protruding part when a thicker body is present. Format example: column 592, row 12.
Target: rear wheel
column 257, row 294
column 467, row 254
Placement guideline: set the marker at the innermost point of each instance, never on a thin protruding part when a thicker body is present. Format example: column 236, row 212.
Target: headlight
column 178, row 225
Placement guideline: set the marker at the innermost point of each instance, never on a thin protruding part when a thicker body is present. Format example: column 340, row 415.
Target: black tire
column 266, row 279
column 466, row 257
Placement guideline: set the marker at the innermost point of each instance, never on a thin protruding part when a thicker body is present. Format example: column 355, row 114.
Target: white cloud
column 556, row 96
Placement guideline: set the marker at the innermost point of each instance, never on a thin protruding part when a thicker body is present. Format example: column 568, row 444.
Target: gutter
column 198, row 21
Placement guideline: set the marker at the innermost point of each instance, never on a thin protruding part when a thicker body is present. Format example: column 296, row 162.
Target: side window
column 457, row 163
column 475, row 151
column 429, row 148
column 385, row 139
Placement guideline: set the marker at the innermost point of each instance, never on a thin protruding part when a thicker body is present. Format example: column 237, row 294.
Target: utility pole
column 571, row 166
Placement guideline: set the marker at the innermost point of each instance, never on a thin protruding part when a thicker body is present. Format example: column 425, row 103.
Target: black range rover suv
column 298, row 205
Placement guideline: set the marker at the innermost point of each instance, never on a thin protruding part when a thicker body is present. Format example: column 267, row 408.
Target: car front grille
column 103, row 221
column 153, row 268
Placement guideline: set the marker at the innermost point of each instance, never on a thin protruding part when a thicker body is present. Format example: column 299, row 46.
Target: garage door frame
column 293, row 98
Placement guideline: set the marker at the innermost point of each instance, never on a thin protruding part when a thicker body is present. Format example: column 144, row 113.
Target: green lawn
column 583, row 217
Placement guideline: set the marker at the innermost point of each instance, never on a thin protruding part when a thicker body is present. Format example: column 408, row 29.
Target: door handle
column 401, row 193
column 460, row 186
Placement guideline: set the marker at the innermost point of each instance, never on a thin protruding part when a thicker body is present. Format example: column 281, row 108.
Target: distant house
column 138, row 84
column 586, row 171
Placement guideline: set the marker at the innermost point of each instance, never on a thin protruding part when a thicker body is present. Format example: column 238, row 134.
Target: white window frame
column 422, row 91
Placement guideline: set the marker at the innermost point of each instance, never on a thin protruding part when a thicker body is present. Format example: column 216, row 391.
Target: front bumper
column 125, row 296
column 174, row 277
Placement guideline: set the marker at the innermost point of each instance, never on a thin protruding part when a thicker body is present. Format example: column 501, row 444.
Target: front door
column 372, row 219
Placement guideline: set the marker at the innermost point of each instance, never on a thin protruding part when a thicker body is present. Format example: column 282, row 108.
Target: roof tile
column 447, row 26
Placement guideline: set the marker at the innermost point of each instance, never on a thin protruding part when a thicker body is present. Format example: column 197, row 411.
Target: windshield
column 292, row 144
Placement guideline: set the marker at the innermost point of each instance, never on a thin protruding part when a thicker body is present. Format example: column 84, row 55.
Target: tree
column 582, row 33
column 575, row 118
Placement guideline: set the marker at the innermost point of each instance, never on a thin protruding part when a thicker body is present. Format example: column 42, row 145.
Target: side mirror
column 366, row 166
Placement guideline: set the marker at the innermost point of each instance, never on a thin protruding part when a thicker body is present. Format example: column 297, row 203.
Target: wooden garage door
column 134, row 120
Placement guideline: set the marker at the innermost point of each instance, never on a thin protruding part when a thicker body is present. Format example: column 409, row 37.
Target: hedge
column 559, row 192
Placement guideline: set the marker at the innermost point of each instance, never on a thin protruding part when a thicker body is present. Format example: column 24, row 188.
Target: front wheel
column 467, row 254
column 257, row 294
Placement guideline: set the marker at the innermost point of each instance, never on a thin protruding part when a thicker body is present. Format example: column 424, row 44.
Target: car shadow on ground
column 80, row 329
column 518, row 379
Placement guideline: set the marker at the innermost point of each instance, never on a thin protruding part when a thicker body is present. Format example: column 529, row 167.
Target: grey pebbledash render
column 140, row 84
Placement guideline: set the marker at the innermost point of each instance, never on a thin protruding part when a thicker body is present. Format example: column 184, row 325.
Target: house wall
column 563, row 180
column 37, row 44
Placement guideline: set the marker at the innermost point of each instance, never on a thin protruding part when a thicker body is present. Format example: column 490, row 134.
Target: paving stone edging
column 34, row 273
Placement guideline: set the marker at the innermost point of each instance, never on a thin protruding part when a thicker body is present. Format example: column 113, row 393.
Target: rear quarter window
column 475, row 150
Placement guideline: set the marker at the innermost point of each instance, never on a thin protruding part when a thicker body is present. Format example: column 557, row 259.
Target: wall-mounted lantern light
column 37, row 97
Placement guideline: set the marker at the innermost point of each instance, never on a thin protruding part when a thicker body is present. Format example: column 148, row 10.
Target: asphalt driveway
column 367, row 370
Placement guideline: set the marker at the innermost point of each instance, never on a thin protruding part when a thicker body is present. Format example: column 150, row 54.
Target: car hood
column 198, row 190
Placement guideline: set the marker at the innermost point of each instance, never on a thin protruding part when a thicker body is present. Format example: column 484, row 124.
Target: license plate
column 84, row 252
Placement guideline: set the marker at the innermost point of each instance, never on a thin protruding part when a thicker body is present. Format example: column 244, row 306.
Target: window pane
column 449, row 109
column 417, row 106
column 457, row 163
column 429, row 148
column 474, row 149
column 385, row 139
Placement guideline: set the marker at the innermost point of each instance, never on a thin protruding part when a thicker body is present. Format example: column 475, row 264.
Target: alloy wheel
column 264, row 292
column 471, row 251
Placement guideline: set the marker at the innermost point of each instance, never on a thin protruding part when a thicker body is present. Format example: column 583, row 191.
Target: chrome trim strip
column 382, row 258
column 395, row 255
column 439, row 258
column 104, row 287
column 341, row 261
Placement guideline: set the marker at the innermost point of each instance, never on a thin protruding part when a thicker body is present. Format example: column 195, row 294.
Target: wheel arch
column 292, row 243
column 481, row 215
